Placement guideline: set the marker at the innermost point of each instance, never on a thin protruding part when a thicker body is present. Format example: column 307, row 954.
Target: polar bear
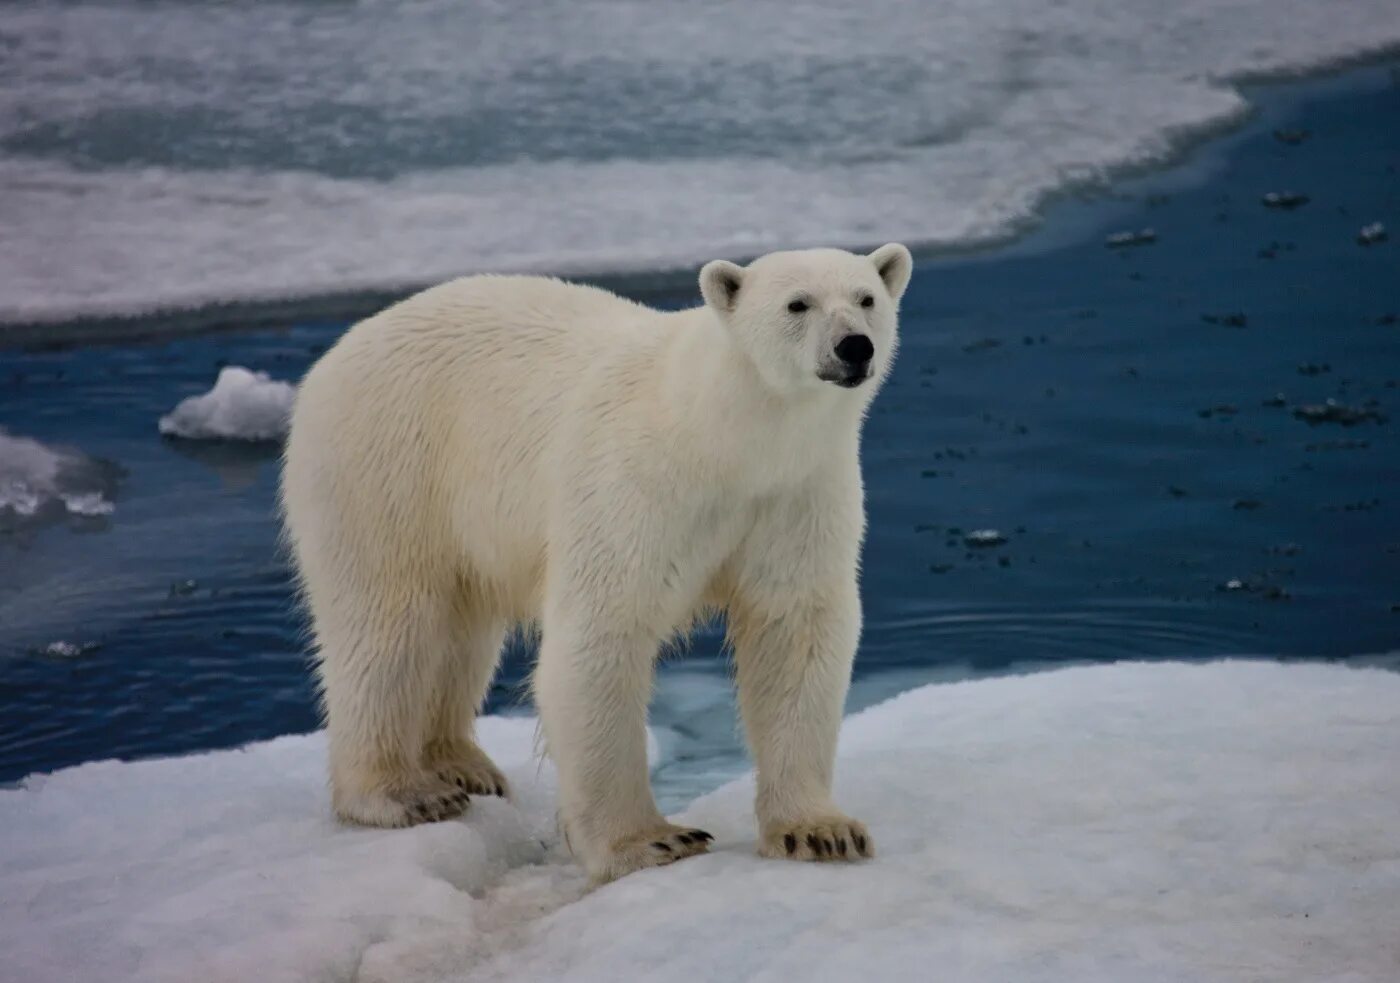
column 507, row 450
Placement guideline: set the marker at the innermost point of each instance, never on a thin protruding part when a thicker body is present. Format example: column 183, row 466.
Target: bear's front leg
column 592, row 687
column 794, row 625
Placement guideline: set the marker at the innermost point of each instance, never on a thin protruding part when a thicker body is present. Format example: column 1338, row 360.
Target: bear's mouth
column 846, row 380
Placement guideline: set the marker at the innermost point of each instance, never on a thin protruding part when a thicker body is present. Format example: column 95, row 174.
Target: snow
column 586, row 137
column 37, row 481
column 1166, row 821
column 243, row 405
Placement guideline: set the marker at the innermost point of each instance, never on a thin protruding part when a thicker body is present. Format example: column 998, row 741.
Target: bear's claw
column 467, row 767
column 833, row 838
column 431, row 805
column 475, row 785
column 654, row 848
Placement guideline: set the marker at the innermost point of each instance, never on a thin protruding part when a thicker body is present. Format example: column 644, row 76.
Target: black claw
column 702, row 835
column 814, row 844
column 790, row 842
column 684, row 838
column 860, row 843
column 500, row 790
column 841, row 846
column 662, row 846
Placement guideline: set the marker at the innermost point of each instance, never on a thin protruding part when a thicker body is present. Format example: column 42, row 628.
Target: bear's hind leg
column 451, row 752
column 377, row 669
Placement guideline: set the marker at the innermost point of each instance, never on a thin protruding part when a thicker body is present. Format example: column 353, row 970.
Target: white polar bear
column 499, row 451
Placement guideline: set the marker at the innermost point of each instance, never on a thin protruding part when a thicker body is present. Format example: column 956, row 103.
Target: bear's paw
column 825, row 838
column 652, row 848
column 468, row 768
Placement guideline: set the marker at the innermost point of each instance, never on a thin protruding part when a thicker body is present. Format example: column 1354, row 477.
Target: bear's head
column 815, row 317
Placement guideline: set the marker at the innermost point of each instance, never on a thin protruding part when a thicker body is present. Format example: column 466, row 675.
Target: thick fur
column 499, row 451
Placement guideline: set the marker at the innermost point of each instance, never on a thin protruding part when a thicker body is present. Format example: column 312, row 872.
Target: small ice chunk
column 1141, row 237
column 39, row 483
column 1284, row 199
column 66, row 650
column 984, row 538
column 1234, row 583
column 1371, row 234
column 243, row 405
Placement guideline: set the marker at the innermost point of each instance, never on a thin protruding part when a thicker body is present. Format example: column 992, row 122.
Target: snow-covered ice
column 243, row 405
column 1229, row 821
column 590, row 136
column 38, row 481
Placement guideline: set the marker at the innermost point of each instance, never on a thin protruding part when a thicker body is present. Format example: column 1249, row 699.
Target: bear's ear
column 719, row 285
column 895, row 265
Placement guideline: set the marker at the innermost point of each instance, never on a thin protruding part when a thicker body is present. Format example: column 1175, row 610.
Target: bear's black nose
column 855, row 349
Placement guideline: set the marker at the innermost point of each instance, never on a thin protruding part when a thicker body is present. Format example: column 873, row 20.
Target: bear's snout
column 856, row 350
column 854, row 353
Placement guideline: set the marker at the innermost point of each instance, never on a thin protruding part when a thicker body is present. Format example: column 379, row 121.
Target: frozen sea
column 162, row 156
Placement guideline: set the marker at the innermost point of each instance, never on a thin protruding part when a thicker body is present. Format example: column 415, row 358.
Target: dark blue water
column 1085, row 402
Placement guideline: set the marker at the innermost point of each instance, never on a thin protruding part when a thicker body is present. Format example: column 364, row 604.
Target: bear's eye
column 797, row 306
column 867, row 301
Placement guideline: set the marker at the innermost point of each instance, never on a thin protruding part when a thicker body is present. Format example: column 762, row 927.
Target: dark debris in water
column 1234, row 319
column 982, row 345
column 1292, row 137
column 1269, row 592
column 1314, row 368
column 954, row 454
column 1122, row 240
column 1224, row 410
column 1365, row 505
column 1335, row 412
column 1338, row 445
column 1275, row 247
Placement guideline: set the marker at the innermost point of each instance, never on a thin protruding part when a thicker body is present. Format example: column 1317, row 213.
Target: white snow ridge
column 243, row 405
column 1229, row 821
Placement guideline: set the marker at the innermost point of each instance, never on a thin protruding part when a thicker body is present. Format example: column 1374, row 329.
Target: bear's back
column 538, row 306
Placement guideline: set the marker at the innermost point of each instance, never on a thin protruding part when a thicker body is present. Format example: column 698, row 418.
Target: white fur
column 499, row 451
